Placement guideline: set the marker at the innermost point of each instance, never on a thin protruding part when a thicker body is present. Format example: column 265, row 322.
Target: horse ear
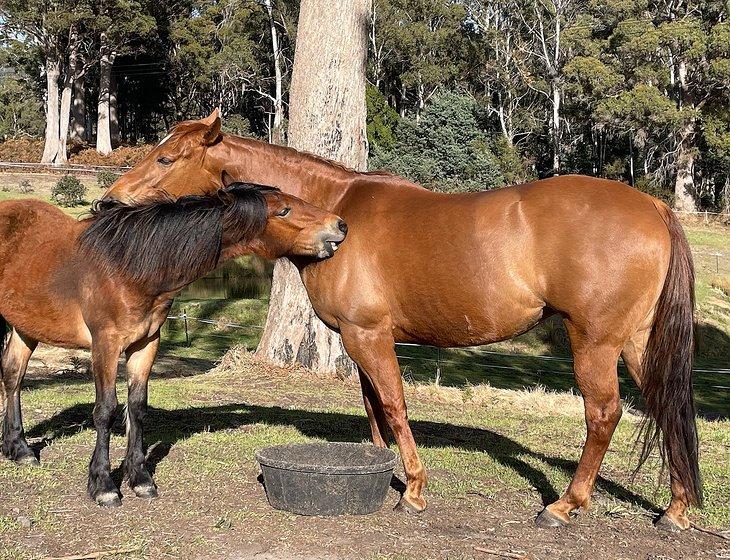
column 212, row 127
column 227, row 179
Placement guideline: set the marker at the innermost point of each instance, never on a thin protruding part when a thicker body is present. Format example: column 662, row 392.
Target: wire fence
column 66, row 168
column 438, row 361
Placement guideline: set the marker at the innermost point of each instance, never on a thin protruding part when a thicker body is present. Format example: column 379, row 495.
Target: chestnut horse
column 107, row 283
column 468, row 269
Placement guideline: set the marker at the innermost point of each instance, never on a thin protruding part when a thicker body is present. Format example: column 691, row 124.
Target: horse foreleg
column 597, row 379
column 373, row 349
column 14, row 364
column 140, row 357
column 104, row 358
column 376, row 415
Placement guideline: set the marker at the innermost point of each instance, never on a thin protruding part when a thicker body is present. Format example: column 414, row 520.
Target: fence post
column 185, row 321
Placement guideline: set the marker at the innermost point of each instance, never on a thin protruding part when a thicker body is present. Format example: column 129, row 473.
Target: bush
column 69, row 191
column 25, row 187
column 106, row 178
column 382, row 119
column 446, row 151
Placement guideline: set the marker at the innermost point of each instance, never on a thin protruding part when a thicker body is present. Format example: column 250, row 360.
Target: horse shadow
column 167, row 427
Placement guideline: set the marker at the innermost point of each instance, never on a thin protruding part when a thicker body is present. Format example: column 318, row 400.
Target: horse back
column 460, row 269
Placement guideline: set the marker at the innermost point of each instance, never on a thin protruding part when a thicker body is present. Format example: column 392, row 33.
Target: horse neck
column 314, row 180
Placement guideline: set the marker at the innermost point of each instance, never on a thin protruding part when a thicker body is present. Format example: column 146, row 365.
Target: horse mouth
column 329, row 246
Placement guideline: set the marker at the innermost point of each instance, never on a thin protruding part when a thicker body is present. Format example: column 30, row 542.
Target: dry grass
column 535, row 400
column 722, row 283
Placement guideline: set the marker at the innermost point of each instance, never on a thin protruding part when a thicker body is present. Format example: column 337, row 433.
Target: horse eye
column 283, row 213
column 164, row 161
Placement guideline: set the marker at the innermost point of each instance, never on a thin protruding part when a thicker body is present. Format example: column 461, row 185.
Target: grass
column 42, row 184
column 515, row 453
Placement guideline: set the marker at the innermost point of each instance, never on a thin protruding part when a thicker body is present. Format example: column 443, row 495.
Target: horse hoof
column 546, row 519
column 145, row 491
column 108, row 499
column 407, row 506
column 666, row 523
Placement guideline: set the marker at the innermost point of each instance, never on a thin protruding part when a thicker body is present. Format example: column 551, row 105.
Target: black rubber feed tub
column 327, row 478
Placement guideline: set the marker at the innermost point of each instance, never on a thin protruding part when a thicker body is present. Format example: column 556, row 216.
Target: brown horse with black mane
column 467, row 269
column 107, row 283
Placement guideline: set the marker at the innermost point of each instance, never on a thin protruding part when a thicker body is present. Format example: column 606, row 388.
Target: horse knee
column 104, row 411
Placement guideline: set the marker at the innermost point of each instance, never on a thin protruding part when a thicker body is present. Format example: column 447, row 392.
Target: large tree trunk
column 68, row 82
column 684, row 184
column 103, row 126
column 326, row 117
column 113, row 113
column 78, row 111
column 53, row 71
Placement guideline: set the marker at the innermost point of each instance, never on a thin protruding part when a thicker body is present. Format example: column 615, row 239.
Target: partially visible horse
column 107, row 283
column 467, row 269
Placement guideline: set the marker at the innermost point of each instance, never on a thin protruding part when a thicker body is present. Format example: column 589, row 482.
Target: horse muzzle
column 331, row 238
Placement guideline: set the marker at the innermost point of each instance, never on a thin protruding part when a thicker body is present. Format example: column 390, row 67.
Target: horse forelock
column 163, row 244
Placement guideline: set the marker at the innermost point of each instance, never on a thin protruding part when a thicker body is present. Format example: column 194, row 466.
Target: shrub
column 106, row 178
column 446, row 151
column 69, row 191
column 25, row 187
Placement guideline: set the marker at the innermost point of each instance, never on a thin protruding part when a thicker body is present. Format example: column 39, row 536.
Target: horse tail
column 666, row 381
column 3, row 337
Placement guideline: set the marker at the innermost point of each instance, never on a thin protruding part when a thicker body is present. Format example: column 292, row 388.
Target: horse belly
column 479, row 316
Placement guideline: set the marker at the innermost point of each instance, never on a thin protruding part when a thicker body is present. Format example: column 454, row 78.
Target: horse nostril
column 342, row 226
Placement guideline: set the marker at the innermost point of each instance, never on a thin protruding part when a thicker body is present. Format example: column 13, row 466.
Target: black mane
column 165, row 243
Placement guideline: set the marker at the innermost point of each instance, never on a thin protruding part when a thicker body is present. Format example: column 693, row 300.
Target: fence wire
column 438, row 360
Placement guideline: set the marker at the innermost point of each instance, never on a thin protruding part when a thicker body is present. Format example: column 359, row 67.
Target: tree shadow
column 167, row 427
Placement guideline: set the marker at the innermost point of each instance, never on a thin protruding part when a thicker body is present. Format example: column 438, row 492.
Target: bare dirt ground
column 494, row 457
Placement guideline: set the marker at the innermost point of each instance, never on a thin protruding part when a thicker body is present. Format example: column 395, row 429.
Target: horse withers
column 474, row 268
column 107, row 283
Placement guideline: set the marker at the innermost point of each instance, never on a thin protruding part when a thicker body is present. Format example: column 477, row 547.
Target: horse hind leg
column 597, row 379
column 675, row 516
column 14, row 364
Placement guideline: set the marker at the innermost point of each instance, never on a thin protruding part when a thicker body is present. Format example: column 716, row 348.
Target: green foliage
column 512, row 166
column 635, row 81
column 21, row 113
column 69, row 191
column 106, row 178
column 446, row 151
column 382, row 119
column 641, row 107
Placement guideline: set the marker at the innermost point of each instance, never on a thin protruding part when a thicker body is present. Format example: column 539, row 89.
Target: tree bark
column 113, row 113
column 103, row 127
column 684, row 184
column 277, row 130
column 327, row 117
column 555, row 124
column 78, row 111
column 68, row 81
column 53, row 71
